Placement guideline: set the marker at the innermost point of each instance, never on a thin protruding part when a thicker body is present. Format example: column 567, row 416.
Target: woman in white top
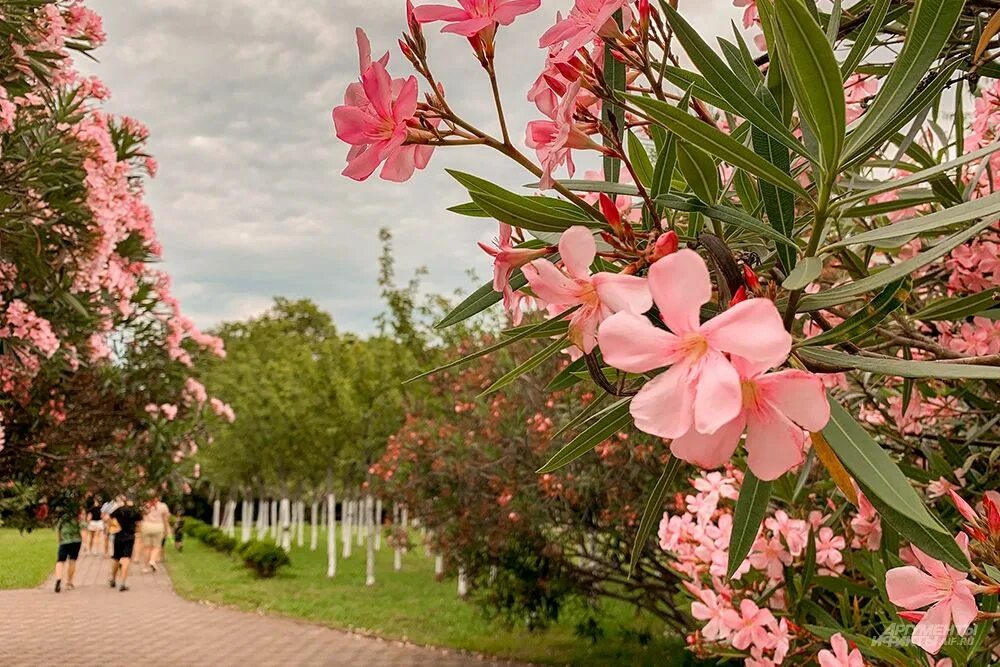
column 155, row 528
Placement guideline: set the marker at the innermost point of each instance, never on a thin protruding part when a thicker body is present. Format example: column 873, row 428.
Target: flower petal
column 469, row 27
column 963, row 607
column 932, row 630
column 680, row 286
column 718, row 397
column 577, row 249
column 909, row 587
column 798, row 395
column 774, row 445
column 583, row 328
column 664, row 406
column 750, row 329
column 506, row 12
column 631, row 343
column 623, row 292
column 431, row 13
column 405, row 104
column 709, row 451
column 550, row 284
column 378, row 88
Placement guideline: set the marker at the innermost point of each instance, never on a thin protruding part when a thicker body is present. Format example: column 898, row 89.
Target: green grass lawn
column 410, row 605
column 26, row 558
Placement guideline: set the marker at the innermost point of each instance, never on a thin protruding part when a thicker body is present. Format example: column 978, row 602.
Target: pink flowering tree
column 787, row 269
column 95, row 352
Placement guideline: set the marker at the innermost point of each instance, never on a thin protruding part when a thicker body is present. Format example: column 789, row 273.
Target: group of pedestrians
column 113, row 529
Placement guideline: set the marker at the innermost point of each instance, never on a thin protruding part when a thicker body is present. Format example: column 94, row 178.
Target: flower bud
column 666, row 244
column 740, row 296
column 569, row 71
column 611, row 213
column 751, row 279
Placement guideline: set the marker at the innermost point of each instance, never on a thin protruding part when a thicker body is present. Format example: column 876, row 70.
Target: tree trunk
column 397, row 554
column 286, row 524
column 438, row 566
column 346, row 509
column 378, row 525
column 313, row 526
column 463, row 585
column 370, row 550
column 405, row 523
column 261, row 519
column 274, row 522
column 216, row 508
column 300, row 518
column 360, row 521
column 247, row 523
column 331, row 535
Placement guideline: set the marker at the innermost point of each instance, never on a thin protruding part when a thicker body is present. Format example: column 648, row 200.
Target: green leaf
column 698, row 86
column 700, row 171
column 480, row 300
column 598, row 186
column 814, row 78
column 778, row 202
column 957, row 307
column 864, row 39
column 723, row 213
column 986, row 207
column 891, row 366
column 715, row 143
column 640, row 159
column 886, row 486
column 653, row 511
column 593, row 409
column 889, row 185
column 848, row 291
column 729, row 87
column 749, row 513
column 663, row 173
column 542, row 214
column 905, row 201
column 548, row 326
column 567, row 377
column 470, row 210
column 804, row 273
column 612, row 421
column 864, row 320
column 613, row 115
column 927, row 32
column 533, row 362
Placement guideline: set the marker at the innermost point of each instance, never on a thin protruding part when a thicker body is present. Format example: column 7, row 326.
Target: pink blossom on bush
column 585, row 22
column 841, row 656
column 475, row 16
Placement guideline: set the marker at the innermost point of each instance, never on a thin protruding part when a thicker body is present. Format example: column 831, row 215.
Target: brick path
column 149, row 626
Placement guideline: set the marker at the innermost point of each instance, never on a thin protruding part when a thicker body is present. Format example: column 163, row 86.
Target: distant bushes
column 263, row 558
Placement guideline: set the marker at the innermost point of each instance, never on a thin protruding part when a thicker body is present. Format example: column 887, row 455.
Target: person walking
column 155, row 528
column 95, row 527
column 69, row 528
column 109, row 527
column 127, row 517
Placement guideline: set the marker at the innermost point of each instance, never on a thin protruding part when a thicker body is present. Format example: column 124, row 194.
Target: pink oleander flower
column 770, row 556
column 474, row 16
column 981, row 527
column 554, row 140
column 947, row 591
column 867, row 526
column 842, row 655
column 795, row 531
column 375, row 120
column 588, row 20
column 751, row 627
column 701, row 390
column 598, row 295
column 507, row 258
column 828, row 548
column 776, row 407
column 720, row 617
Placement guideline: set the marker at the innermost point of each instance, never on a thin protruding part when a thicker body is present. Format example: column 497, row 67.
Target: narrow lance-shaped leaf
column 653, row 511
column 749, row 513
column 848, row 291
column 893, row 367
column 533, row 362
column 723, row 213
column 714, row 142
column 957, row 308
column 480, row 300
column 611, row 421
column 640, row 159
column 865, row 38
column 864, row 320
column 814, row 77
column 778, row 202
column 612, row 114
column 700, row 172
column 927, row 32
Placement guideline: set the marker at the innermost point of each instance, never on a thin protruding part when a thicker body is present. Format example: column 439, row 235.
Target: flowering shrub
column 89, row 332
column 805, row 263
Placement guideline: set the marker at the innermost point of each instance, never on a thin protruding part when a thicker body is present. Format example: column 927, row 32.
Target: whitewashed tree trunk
column 378, row 525
column 300, row 528
column 246, row 524
column 405, row 523
column 347, row 507
column 227, row 517
column 331, row 535
column 370, row 547
column 274, row 521
column 261, row 519
column 313, row 526
column 286, row 524
column 216, row 509
column 463, row 584
column 397, row 553
column 438, row 565
column 360, row 521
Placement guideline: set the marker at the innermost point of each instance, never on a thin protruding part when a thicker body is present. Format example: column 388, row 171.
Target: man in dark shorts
column 69, row 547
column 127, row 516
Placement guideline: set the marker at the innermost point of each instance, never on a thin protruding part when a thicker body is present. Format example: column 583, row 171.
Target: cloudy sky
column 249, row 201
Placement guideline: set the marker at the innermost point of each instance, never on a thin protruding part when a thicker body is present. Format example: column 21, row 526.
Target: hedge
column 263, row 558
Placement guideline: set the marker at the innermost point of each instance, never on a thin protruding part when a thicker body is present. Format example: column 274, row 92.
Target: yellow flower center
column 693, row 346
column 751, row 394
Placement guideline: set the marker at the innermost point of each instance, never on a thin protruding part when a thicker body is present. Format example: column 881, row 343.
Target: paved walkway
column 149, row 626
